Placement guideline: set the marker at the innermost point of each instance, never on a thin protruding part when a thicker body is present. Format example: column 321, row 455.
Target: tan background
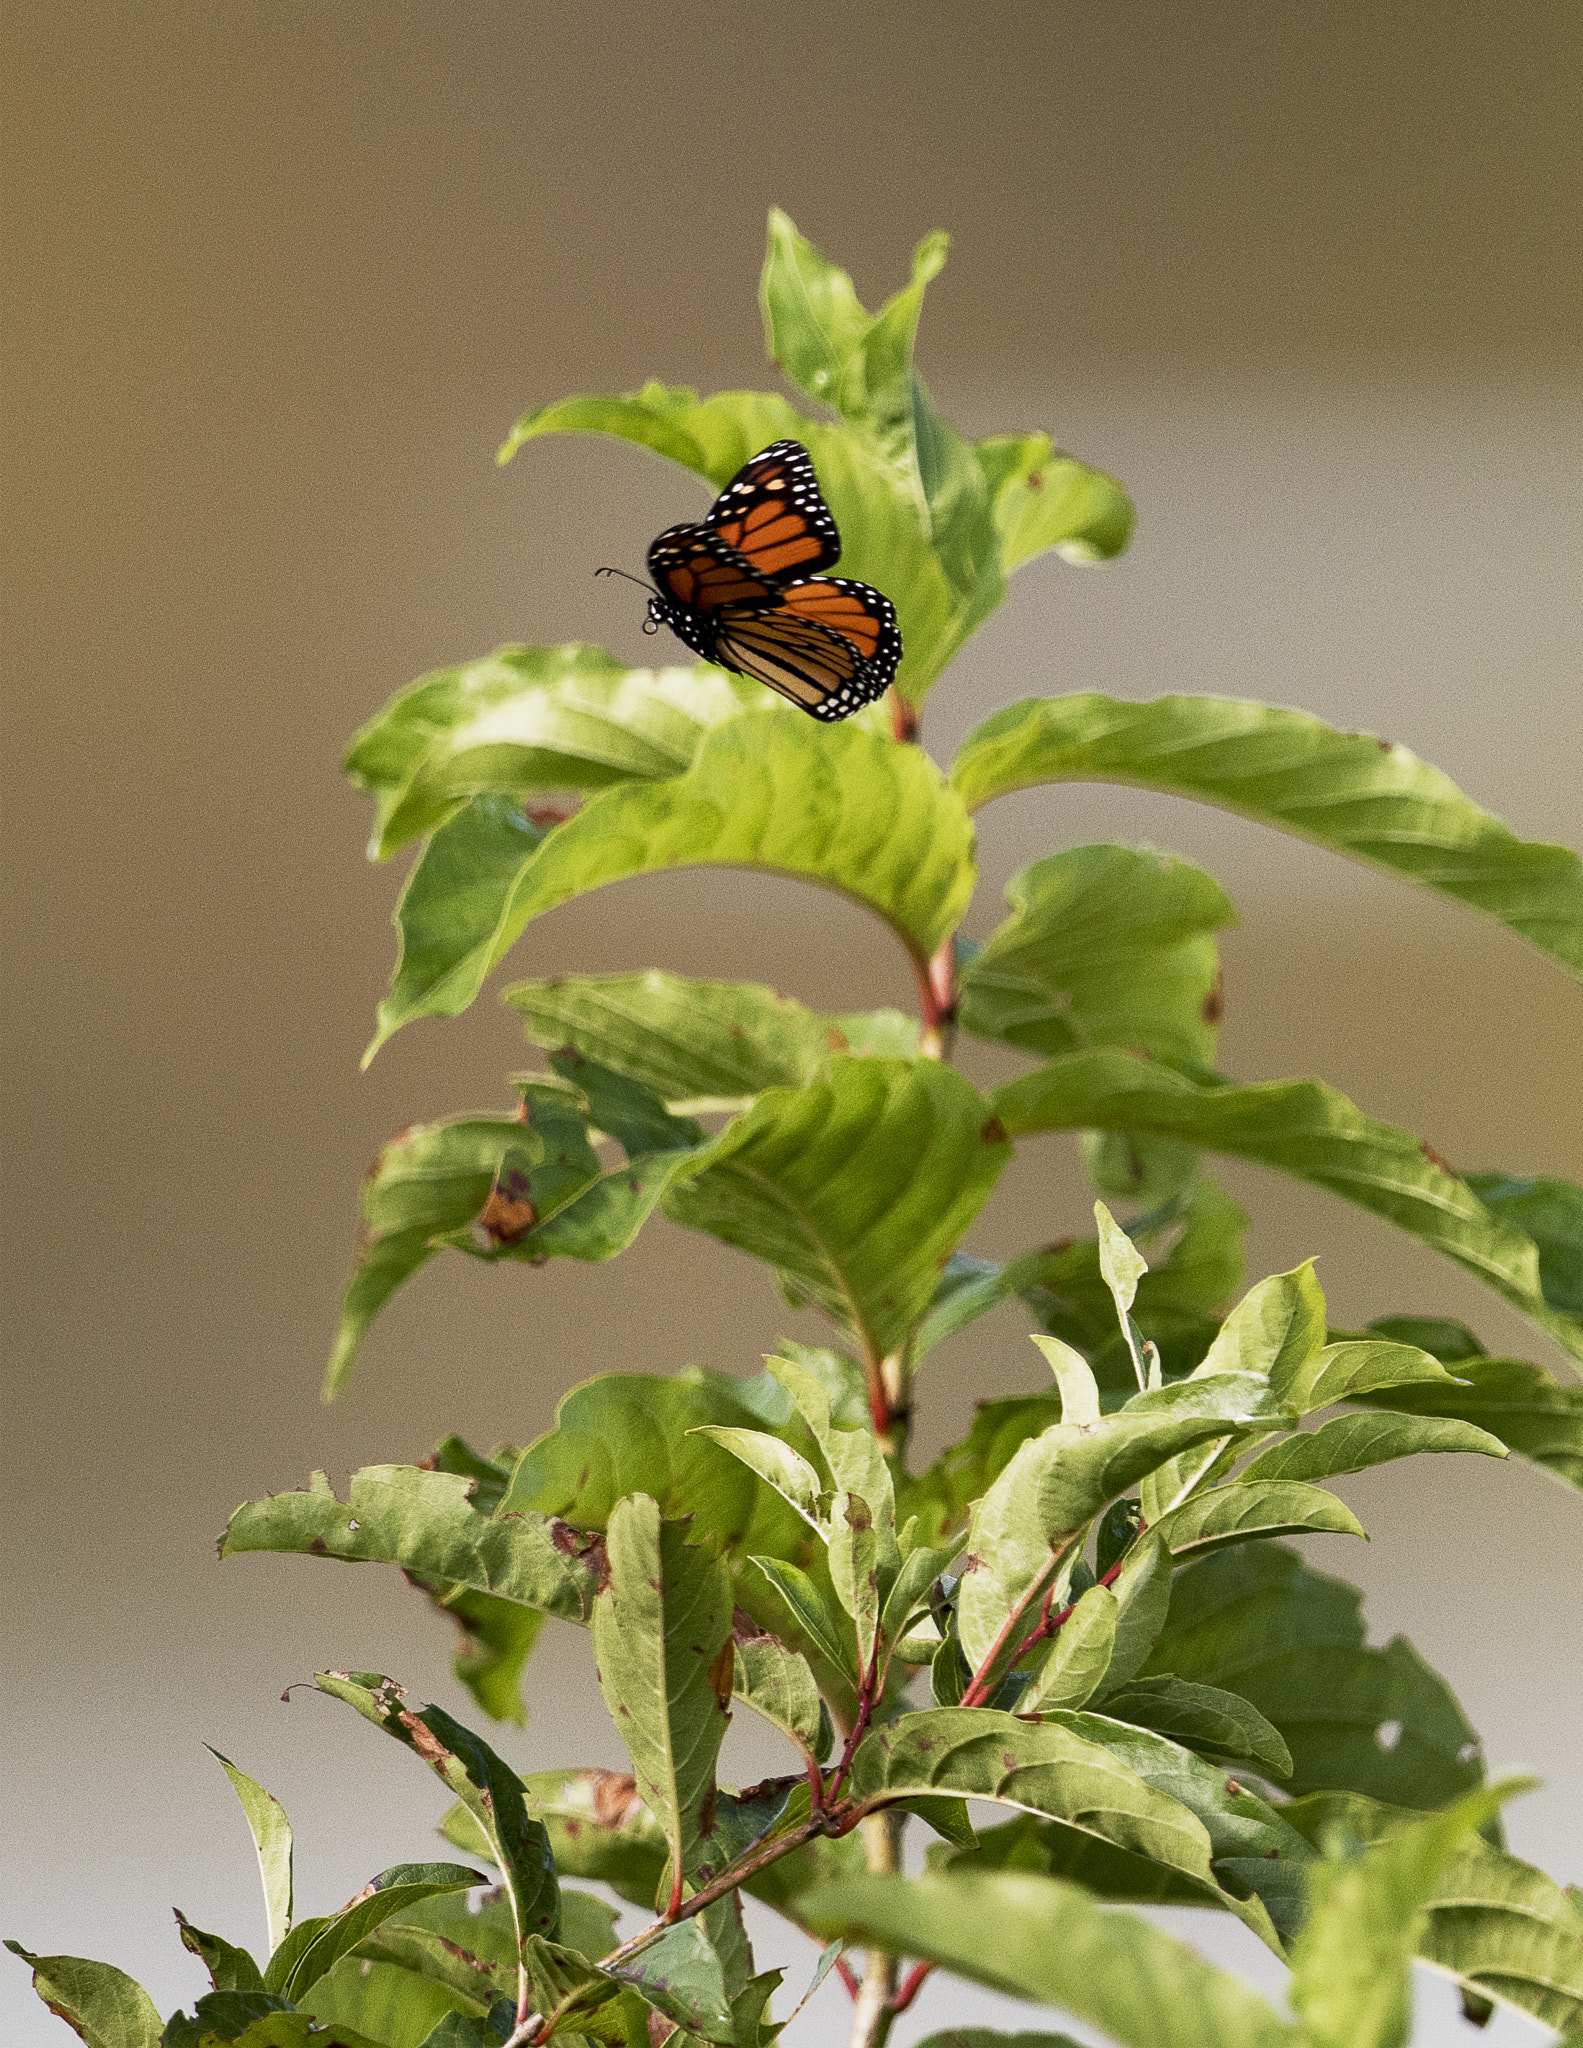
column 279, row 276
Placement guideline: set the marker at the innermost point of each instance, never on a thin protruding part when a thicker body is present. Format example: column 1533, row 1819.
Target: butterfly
column 743, row 588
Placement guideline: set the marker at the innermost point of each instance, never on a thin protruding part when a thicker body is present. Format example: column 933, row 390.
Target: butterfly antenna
column 638, row 580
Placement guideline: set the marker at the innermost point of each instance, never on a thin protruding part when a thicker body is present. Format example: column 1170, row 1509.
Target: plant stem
column 876, row 1999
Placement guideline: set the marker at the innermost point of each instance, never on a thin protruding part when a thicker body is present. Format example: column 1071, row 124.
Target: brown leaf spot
column 1215, row 1002
column 706, row 1813
column 1035, row 479
column 508, row 1215
column 969, row 1564
column 547, row 816
column 660, row 2029
column 1386, row 746
column 1010, row 1759
column 319, row 1547
column 1235, row 1790
column 1435, row 1159
column 744, row 1629
column 837, row 1040
column 994, row 1132
column 924, row 1744
column 615, row 1796
column 721, row 1672
column 424, row 1741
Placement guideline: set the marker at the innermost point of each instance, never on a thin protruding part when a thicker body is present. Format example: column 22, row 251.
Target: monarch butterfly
column 743, row 589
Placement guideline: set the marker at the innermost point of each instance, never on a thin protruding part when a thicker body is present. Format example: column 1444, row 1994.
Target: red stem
column 847, row 1975
column 1046, row 1626
column 911, row 1985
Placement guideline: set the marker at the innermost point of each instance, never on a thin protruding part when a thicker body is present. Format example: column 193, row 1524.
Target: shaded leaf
column 1305, row 1129
column 598, row 1826
column 855, row 1188
column 490, row 1791
column 317, row 1945
column 230, row 1969
column 680, row 1976
column 1106, row 945
column 1368, row 798
column 710, row 1040
column 1079, row 1656
column 1551, row 1213
column 1255, row 1621
column 1204, row 1718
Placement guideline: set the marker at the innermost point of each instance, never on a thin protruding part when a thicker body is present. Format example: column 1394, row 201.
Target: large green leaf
column 1054, row 1944
column 526, row 719
column 491, row 1792
column 1106, row 945
column 1500, row 1925
column 1075, row 1769
column 271, row 1832
column 426, row 1522
column 709, row 1040
column 315, row 1946
column 1361, row 796
column 104, row 2005
column 1216, row 1517
column 830, row 804
column 1202, row 1718
column 855, row 1188
column 1255, row 1621
column 1351, row 1986
column 1352, row 1443
column 625, row 1433
column 662, row 1644
column 1305, row 1129
column 680, row 1976
column 1517, row 1402
column 1037, row 1511
column 398, row 2004
column 1551, row 1213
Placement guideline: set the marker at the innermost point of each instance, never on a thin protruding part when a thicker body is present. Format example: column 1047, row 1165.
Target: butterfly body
column 742, row 588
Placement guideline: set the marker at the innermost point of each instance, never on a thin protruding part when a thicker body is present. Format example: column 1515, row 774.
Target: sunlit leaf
column 97, row 2001
column 316, row 1946
column 829, row 804
column 1351, row 1443
column 271, row 1832
column 1361, row 796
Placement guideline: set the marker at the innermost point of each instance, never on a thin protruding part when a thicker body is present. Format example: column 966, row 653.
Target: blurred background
column 278, row 278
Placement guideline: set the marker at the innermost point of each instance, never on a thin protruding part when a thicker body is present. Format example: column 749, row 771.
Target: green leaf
column 425, row 1522
column 401, row 2004
column 497, row 1639
column 986, row 2037
column 598, row 1826
column 777, row 1464
column 1202, row 1718
column 1496, row 1922
column 814, row 323
column 1256, row 1622
column 96, row 2000
column 1350, row 1982
column 230, row 1969
column 830, row 804
column 271, row 1832
column 856, row 1187
column 527, row 719
column 1220, row 1516
column 1276, row 1329
column 1059, row 1771
column 852, row 1456
column 1356, row 1367
column 699, row 1040
column 1368, row 798
column 1551, row 1213
column 1106, row 945
column 662, row 1643
column 1074, row 1380
column 490, row 1791
column 1307, row 1130
column 1143, row 1595
column 1080, row 1654
column 1053, row 1944
column 1054, row 1486
column 680, row 1976
column 777, row 1683
column 1042, row 498
column 625, row 1433
column 940, row 1497
column 315, row 1946
column 1514, row 1401
column 784, row 1599
column 236, row 2016
column 1351, row 1443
